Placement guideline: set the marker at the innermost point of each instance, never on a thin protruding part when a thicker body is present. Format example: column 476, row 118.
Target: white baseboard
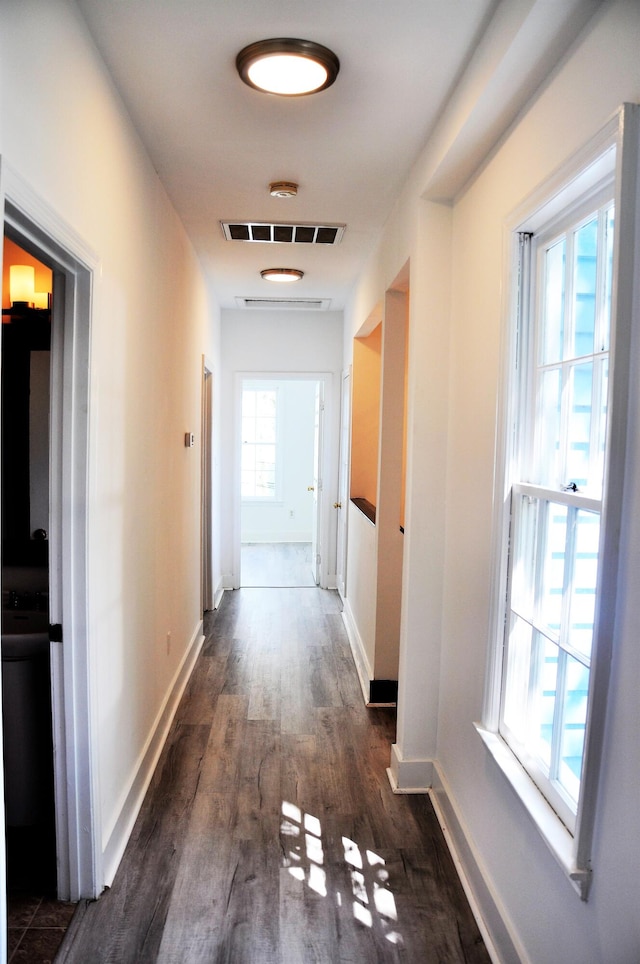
column 409, row 776
column 490, row 914
column 118, row 836
column 365, row 674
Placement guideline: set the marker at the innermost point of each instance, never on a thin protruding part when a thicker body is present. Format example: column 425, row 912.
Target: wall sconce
column 22, row 281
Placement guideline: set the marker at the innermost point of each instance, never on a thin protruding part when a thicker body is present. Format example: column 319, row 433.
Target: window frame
column 611, row 158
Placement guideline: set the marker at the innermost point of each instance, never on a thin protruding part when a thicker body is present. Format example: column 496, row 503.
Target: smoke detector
column 283, row 189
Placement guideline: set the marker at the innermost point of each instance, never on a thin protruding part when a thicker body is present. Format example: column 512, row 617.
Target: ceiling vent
column 282, row 233
column 277, row 304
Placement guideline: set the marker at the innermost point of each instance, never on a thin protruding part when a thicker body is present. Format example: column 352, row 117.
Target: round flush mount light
column 283, row 189
column 287, row 66
column 282, row 275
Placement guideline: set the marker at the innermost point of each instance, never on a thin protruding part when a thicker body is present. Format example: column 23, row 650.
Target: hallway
column 270, row 834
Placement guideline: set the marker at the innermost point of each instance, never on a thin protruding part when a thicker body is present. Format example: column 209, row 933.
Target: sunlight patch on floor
column 371, row 897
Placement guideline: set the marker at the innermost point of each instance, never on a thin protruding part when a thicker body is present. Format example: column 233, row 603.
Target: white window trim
column 586, row 173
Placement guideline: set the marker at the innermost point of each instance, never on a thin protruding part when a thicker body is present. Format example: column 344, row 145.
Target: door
column 316, row 488
column 342, row 504
column 207, row 494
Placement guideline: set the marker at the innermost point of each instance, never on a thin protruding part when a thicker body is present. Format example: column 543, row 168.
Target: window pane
column 247, row 485
column 584, row 287
column 265, row 430
column 579, row 431
column 248, row 402
column 553, row 567
column 548, row 427
column 583, row 588
column 553, row 319
column 248, row 455
column 248, row 429
column 265, row 482
column 266, row 403
column 265, row 456
column 576, row 691
column 544, row 699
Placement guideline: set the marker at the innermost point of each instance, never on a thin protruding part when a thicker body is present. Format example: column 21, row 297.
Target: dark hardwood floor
column 270, row 834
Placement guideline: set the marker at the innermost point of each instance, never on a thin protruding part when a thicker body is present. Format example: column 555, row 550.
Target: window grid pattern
column 556, row 508
column 259, row 443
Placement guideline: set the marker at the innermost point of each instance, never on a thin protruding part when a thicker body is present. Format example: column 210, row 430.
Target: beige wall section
column 390, row 538
column 72, row 143
column 365, row 415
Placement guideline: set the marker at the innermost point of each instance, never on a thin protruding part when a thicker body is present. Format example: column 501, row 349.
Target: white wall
column 65, row 134
column 457, row 273
column 253, row 342
column 288, row 519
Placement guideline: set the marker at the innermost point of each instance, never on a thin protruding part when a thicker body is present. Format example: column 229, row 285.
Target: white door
column 207, row 534
column 342, row 505
column 316, row 487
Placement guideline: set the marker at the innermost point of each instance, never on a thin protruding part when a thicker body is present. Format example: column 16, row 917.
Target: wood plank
column 127, row 924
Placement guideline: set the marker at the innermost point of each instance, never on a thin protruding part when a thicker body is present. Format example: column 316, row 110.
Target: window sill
column 558, row 839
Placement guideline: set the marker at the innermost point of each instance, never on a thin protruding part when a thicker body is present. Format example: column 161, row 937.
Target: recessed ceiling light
column 283, row 189
column 287, row 66
column 282, row 275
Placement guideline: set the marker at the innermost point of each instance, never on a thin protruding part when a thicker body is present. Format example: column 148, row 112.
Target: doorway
column 56, row 520
column 280, row 480
column 208, row 592
column 26, row 670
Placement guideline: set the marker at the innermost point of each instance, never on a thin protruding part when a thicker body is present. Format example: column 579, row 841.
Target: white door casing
column 342, row 503
column 40, row 230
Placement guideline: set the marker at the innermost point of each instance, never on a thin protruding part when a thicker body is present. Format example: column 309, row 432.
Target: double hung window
column 560, row 488
column 556, row 499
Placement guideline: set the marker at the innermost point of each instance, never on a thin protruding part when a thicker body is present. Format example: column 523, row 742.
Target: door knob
column 311, row 488
column 337, row 505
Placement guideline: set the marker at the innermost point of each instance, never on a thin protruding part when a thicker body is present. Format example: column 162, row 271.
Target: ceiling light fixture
column 282, row 275
column 287, row 66
column 283, row 189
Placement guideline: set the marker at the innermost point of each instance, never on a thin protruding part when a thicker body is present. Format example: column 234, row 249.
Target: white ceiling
column 217, row 143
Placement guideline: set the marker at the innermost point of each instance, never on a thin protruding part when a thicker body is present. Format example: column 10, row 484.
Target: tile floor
column 36, row 926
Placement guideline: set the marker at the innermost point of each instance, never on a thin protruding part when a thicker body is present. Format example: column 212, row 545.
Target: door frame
column 324, row 455
column 37, row 228
column 344, row 471
column 208, row 590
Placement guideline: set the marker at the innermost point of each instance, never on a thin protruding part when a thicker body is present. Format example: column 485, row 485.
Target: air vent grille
column 302, row 304
column 282, row 233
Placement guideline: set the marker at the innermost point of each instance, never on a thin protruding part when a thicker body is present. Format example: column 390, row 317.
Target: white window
column 556, row 498
column 559, row 492
column 260, row 455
